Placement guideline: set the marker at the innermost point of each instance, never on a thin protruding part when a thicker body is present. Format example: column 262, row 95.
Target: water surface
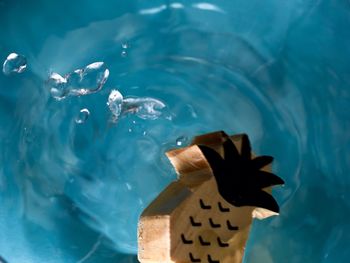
column 72, row 191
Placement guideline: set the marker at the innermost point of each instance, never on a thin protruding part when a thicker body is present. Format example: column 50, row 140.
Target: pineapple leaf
column 266, row 179
column 214, row 159
column 239, row 178
column 230, row 151
column 246, row 148
column 263, row 200
column 261, row 161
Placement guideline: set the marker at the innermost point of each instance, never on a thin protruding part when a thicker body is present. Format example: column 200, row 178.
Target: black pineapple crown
column 239, row 178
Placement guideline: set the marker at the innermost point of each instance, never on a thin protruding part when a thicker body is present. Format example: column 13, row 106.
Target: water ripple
column 246, row 71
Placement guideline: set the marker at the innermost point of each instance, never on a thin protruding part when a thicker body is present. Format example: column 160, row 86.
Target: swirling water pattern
column 278, row 70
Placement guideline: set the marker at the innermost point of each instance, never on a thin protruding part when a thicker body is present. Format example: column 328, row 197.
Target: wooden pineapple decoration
column 205, row 216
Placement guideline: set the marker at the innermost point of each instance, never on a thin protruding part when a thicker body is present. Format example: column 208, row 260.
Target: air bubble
column 123, row 53
column 58, row 86
column 125, row 45
column 14, row 63
column 180, row 141
column 144, row 108
column 88, row 80
column 114, row 103
column 82, row 116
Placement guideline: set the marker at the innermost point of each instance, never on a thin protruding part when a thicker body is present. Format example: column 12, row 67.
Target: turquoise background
column 277, row 70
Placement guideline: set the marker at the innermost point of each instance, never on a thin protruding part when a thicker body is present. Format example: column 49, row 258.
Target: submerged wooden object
column 190, row 221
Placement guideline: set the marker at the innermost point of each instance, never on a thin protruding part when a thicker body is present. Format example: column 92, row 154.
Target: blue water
column 277, row 70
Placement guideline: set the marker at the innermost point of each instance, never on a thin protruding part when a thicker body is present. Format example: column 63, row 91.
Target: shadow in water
column 306, row 235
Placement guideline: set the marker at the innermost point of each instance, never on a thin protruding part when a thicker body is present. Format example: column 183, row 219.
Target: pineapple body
column 190, row 221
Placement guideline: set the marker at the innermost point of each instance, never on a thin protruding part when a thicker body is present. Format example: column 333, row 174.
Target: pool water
column 73, row 184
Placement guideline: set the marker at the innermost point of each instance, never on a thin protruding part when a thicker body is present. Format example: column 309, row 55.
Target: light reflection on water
column 278, row 71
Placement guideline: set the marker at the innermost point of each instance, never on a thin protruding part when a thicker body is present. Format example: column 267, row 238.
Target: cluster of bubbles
column 89, row 80
column 144, row 108
column 125, row 46
column 84, row 81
